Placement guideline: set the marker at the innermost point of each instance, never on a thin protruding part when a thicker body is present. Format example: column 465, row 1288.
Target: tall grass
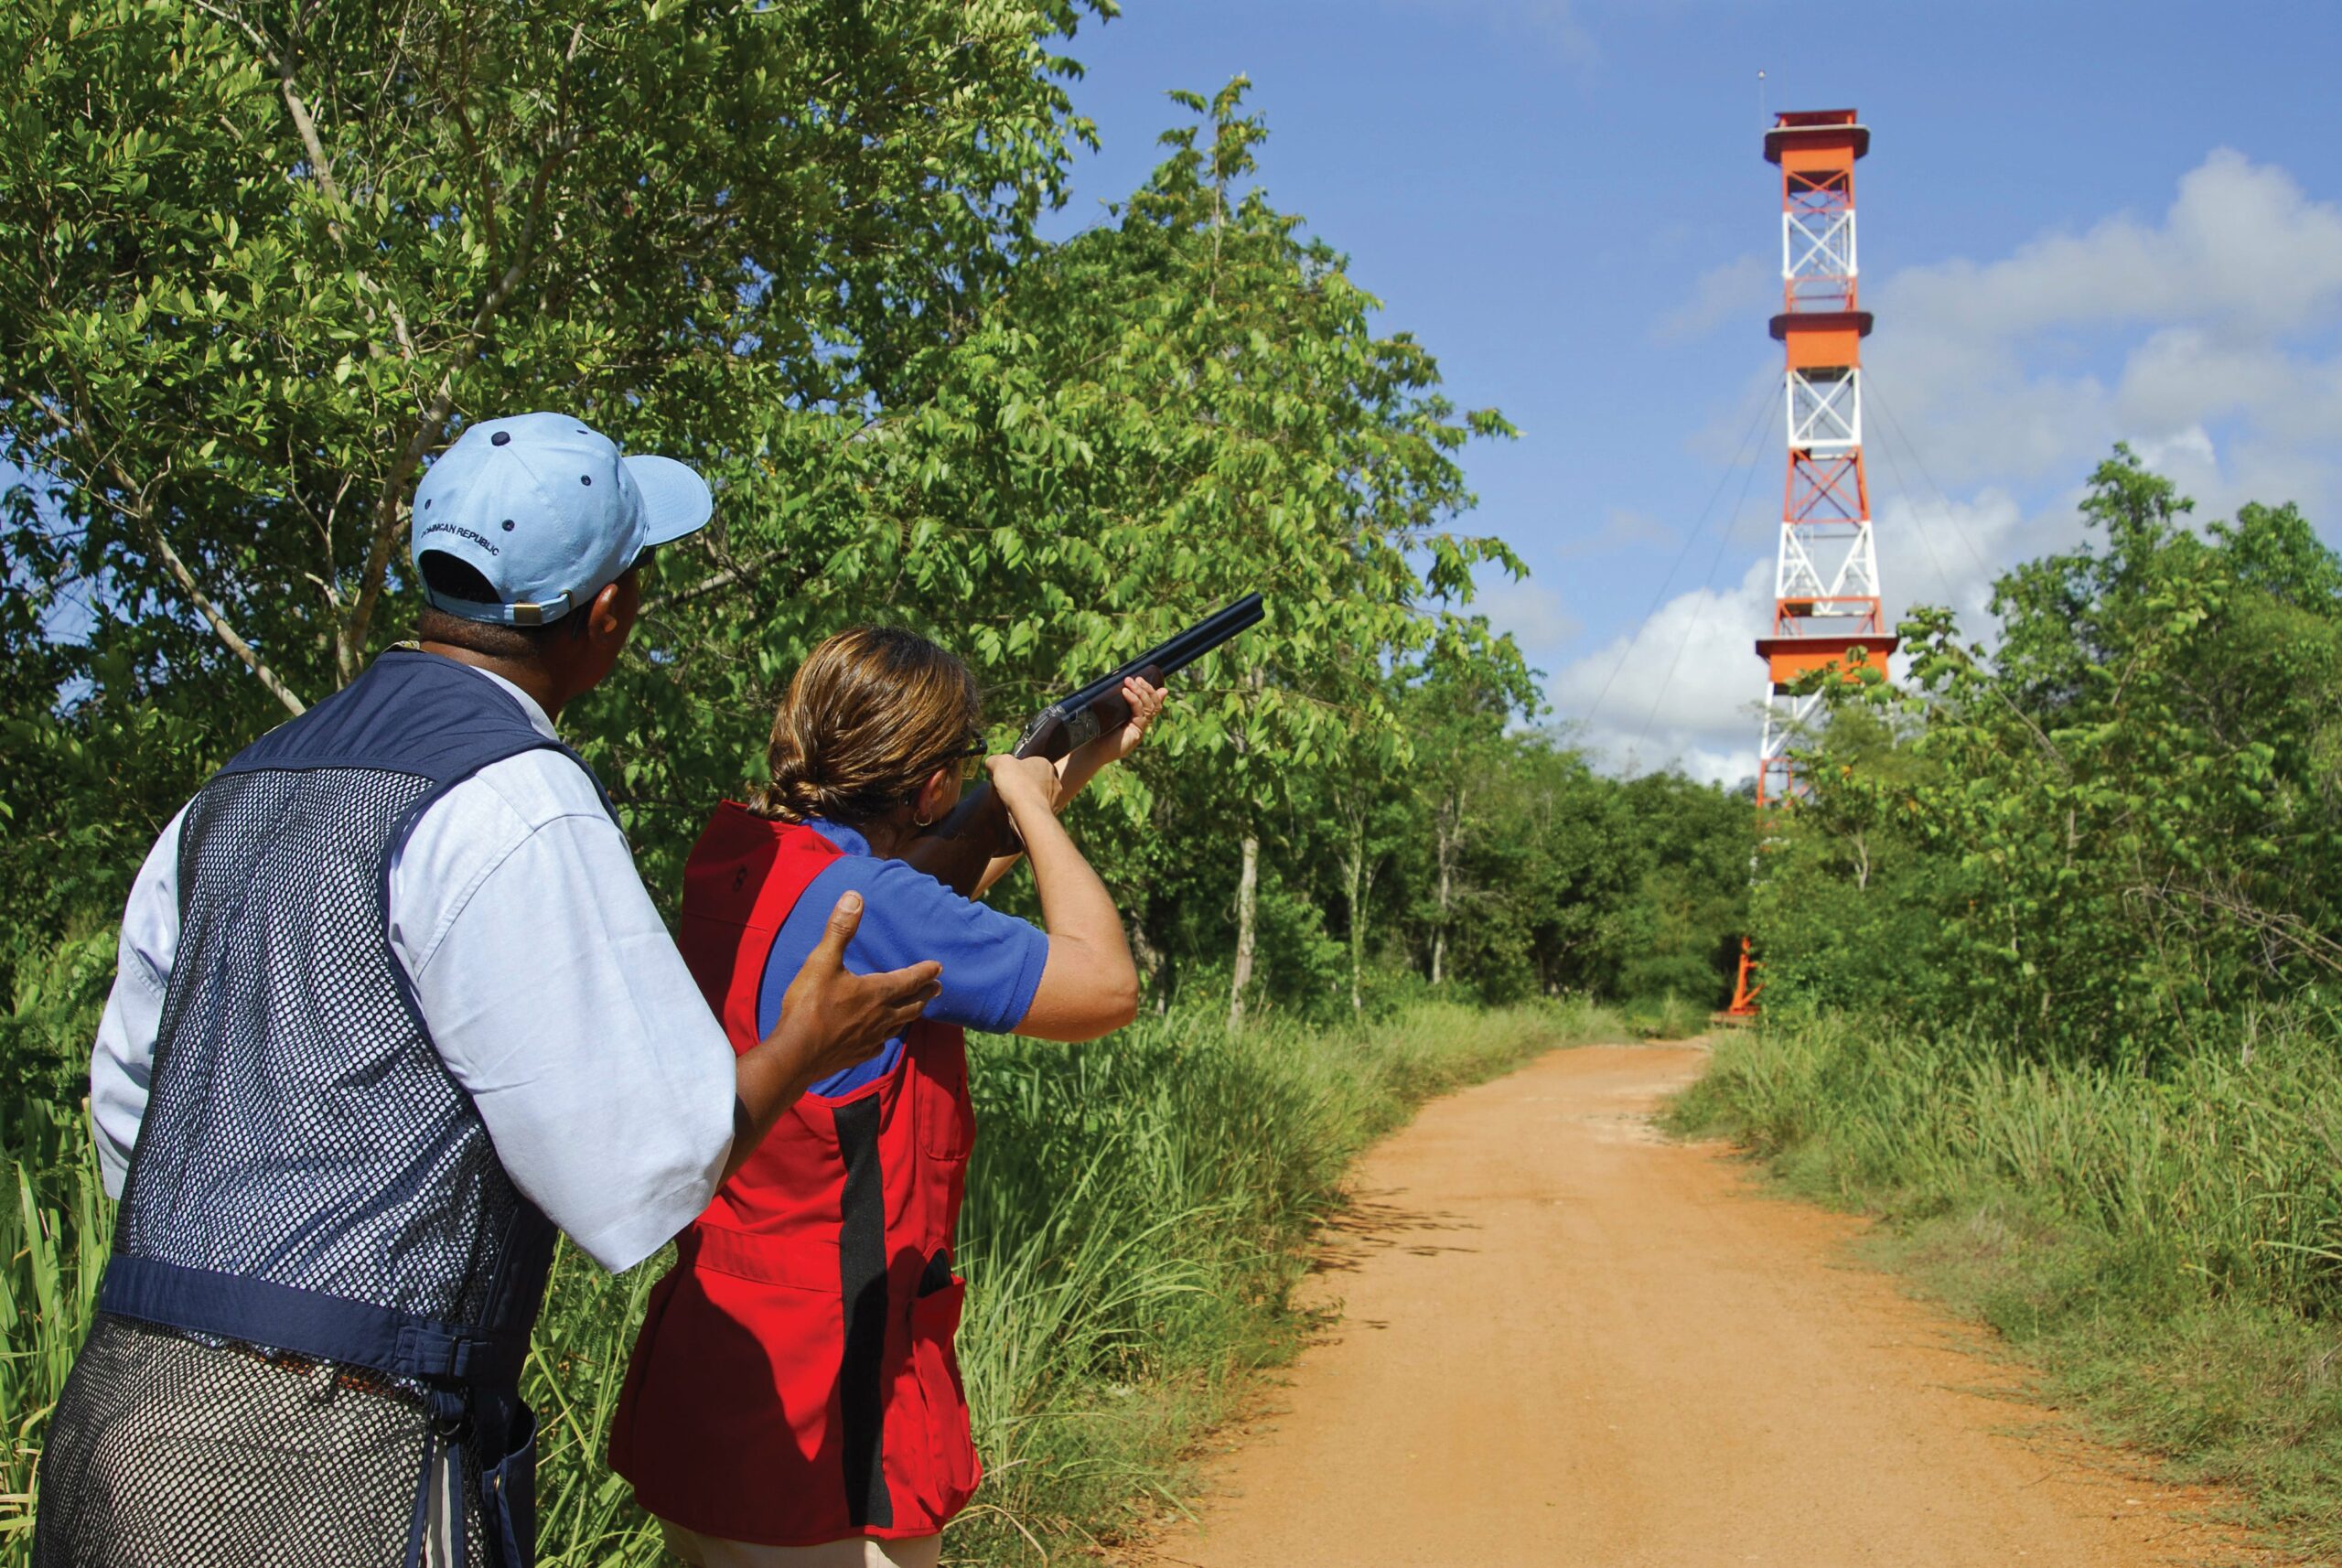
column 1138, row 1210
column 2167, row 1249
column 55, row 1221
column 1136, row 1215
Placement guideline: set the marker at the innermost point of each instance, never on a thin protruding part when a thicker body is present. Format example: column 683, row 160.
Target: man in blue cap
column 392, row 1008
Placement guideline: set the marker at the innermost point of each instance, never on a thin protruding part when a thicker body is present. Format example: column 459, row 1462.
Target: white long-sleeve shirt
column 549, row 985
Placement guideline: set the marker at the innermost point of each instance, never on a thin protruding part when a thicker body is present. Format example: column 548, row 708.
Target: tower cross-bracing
column 1825, row 579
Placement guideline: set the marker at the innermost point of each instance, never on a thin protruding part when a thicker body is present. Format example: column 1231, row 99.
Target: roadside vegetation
column 913, row 409
column 2052, row 954
column 1138, row 1212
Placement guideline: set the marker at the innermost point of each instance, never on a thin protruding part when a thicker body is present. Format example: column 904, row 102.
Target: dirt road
column 1565, row 1340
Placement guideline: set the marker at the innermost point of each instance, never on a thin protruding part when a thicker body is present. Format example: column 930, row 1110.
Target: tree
column 1458, row 711
column 796, row 247
column 2121, row 824
column 1679, row 927
column 1369, row 812
column 258, row 263
column 263, row 260
column 1178, row 406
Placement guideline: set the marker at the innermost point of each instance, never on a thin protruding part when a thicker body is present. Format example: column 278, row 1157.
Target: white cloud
column 1940, row 551
column 1533, row 613
column 2187, row 457
column 1622, row 528
column 2243, row 269
column 1683, row 682
column 1737, row 291
column 2241, row 243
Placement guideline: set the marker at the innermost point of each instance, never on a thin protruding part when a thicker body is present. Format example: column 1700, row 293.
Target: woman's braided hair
column 869, row 714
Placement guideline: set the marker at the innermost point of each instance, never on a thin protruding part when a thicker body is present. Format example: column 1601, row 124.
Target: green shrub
column 56, row 994
column 55, row 1224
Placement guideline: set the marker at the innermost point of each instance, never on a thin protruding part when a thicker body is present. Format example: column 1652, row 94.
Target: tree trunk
column 1354, row 869
column 1248, row 887
column 1450, row 817
column 1150, row 963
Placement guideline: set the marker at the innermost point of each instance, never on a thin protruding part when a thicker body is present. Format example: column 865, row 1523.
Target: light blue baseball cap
column 548, row 512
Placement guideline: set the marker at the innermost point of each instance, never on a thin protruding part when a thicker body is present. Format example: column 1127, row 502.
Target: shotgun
column 956, row 850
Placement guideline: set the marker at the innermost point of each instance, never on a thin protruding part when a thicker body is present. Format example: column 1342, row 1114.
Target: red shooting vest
column 794, row 1380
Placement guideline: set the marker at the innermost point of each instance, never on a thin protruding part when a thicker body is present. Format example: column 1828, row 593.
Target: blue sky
column 2080, row 222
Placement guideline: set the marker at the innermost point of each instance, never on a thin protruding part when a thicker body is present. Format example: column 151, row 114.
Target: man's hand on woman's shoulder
column 830, row 1018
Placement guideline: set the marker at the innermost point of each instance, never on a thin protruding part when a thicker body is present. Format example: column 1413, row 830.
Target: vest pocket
column 935, row 1323
column 940, row 1102
column 509, row 1488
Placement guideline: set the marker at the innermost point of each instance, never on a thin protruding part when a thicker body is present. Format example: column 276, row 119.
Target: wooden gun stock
column 956, row 850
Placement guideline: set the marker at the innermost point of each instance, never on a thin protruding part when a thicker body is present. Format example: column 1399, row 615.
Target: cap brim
column 675, row 500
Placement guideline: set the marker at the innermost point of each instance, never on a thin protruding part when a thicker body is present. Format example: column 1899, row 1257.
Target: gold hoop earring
column 922, row 821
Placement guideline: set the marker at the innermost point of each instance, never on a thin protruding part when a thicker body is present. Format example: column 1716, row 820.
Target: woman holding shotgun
column 793, row 1397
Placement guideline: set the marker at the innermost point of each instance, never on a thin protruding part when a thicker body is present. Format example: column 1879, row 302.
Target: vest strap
column 308, row 1323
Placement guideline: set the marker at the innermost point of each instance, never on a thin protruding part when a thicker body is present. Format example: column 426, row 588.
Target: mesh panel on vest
column 301, row 1131
column 169, row 1449
column 301, row 1128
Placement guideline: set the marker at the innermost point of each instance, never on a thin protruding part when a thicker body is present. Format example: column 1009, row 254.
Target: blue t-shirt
column 992, row 962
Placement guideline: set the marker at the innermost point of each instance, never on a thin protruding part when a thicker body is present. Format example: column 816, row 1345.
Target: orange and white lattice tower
column 1825, row 584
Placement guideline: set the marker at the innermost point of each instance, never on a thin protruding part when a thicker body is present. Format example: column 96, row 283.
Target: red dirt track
column 1566, row 1340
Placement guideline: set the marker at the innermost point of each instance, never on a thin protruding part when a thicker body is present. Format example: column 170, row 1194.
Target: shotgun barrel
column 1083, row 713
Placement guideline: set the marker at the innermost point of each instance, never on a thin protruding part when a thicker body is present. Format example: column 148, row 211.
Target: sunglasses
column 970, row 759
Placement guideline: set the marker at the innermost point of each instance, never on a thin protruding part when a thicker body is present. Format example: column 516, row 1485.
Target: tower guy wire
column 1741, row 455
column 1911, row 501
column 1895, row 428
column 1723, row 539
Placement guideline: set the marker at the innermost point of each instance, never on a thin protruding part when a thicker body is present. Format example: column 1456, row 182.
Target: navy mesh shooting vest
column 322, row 1280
